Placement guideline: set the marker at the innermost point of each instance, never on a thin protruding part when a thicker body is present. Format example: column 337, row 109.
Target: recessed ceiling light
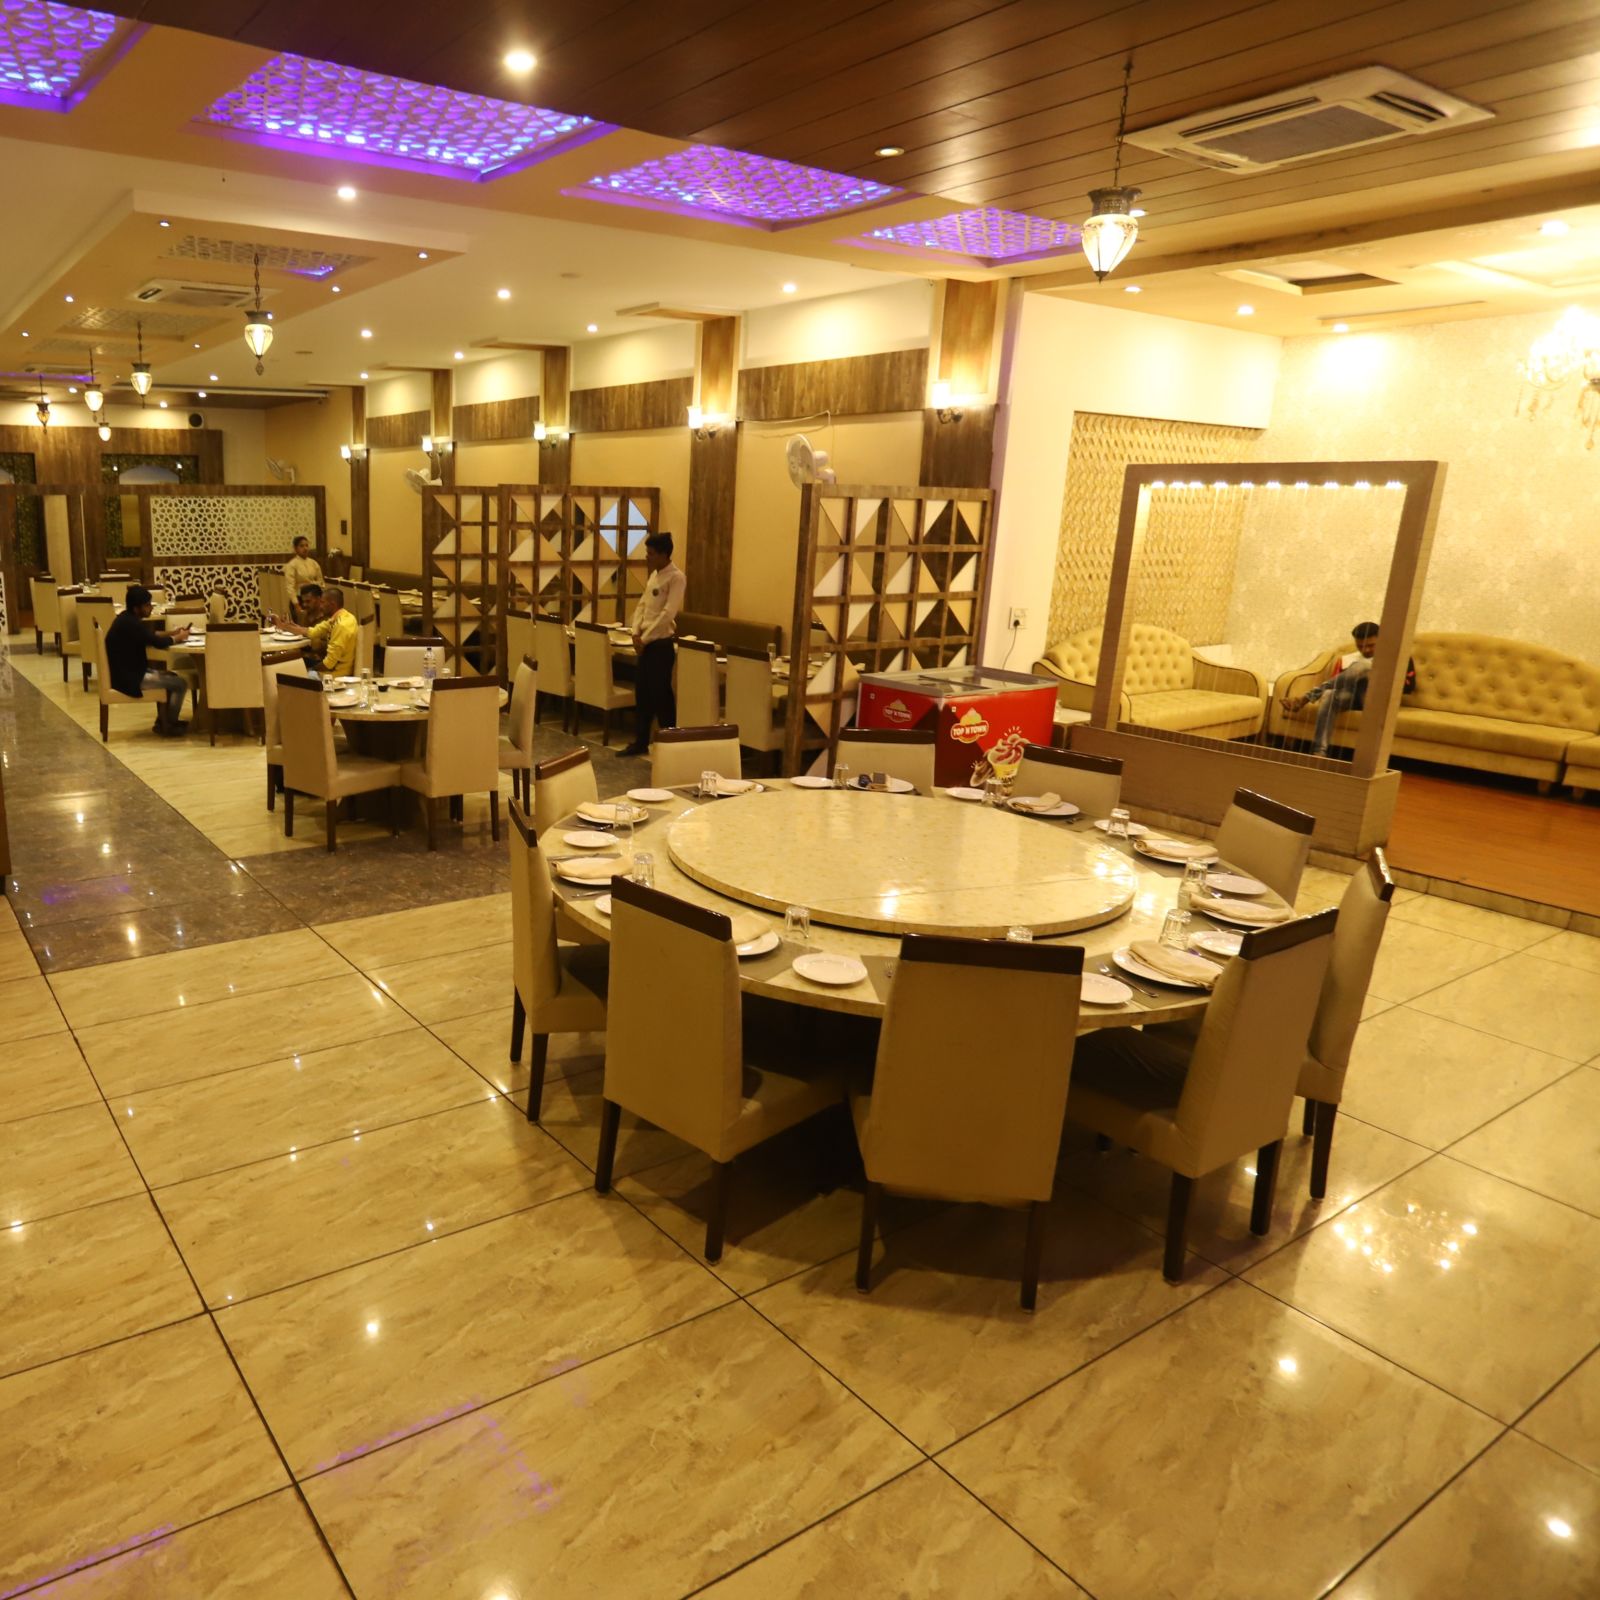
column 337, row 289
column 1554, row 228
column 68, row 298
column 163, row 223
column 520, row 60
column 197, row 344
column 594, row 327
column 366, row 333
column 200, row 394
column 1132, row 288
column 26, row 334
column 502, row 294
column 1341, row 327
column 211, row 376
column 890, row 150
column 363, row 376
column 1247, row 311
column 422, row 255
column 789, row 288
column 460, row 355
column 72, row 388
column 346, row 191
column 163, row 405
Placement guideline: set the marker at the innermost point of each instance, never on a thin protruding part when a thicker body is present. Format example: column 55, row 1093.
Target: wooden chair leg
column 1032, row 1253
column 331, row 808
column 494, row 816
column 605, row 1159
column 1308, row 1118
column 431, row 812
column 38, row 641
column 288, row 813
column 1266, row 1187
column 541, row 1053
column 105, row 724
column 717, row 1221
column 519, row 1021
column 274, row 778
column 605, row 726
column 1177, row 1227
column 869, row 1228
column 1322, row 1146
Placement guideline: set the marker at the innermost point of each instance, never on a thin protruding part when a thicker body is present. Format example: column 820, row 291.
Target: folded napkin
column 594, row 870
column 600, row 812
column 1244, row 910
column 747, row 926
column 1172, row 963
column 1047, row 801
column 1188, row 849
column 734, row 785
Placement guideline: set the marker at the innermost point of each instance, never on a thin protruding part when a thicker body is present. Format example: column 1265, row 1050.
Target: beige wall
column 396, row 511
column 766, row 512
column 496, row 462
column 651, row 458
column 307, row 436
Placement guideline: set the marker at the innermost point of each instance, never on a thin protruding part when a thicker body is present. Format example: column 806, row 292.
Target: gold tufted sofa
column 1164, row 684
column 1301, row 724
column 1495, row 705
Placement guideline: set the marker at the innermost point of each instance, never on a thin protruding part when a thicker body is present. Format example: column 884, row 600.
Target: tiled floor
column 295, row 1303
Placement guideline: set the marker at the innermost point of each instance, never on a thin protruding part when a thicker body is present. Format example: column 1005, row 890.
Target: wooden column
column 360, row 483
column 444, row 401
column 555, row 411
column 706, row 550
column 959, row 453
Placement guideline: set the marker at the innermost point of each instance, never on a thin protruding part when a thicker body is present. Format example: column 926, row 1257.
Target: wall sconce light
column 703, row 424
column 427, row 444
column 943, row 402
column 352, row 452
column 548, row 438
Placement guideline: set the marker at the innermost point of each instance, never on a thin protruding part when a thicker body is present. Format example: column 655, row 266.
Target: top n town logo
column 897, row 711
column 970, row 728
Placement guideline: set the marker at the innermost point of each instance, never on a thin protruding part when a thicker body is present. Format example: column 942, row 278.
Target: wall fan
column 283, row 471
column 420, row 480
column 807, row 464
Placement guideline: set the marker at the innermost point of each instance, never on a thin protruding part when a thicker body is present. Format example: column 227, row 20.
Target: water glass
column 797, row 924
column 708, row 785
column 1117, row 823
column 994, row 792
column 841, row 775
column 366, row 686
column 622, row 831
column 644, row 870
column 1175, row 930
column 1194, row 884
column 772, row 656
column 1020, row 934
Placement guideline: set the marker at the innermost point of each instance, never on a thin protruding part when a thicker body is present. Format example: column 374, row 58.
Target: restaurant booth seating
column 726, row 631
column 1165, row 684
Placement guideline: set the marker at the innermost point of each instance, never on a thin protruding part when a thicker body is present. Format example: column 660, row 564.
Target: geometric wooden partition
column 886, row 580
column 461, row 551
column 1191, row 776
column 576, row 553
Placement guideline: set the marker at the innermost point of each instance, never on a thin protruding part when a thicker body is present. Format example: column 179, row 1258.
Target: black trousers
column 653, row 688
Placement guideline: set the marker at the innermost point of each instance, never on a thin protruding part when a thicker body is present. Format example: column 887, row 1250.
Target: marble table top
column 404, row 698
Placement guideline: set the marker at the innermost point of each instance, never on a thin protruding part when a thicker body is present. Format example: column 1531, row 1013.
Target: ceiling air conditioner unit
column 195, row 296
column 1349, row 112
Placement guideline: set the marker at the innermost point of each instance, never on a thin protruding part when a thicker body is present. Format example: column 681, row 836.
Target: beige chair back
column 683, row 1076
column 1247, row 1056
column 524, row 698
column 1363, row 914
column 554, row 655
column 306, row 726
column 935, row 1128
column 158, row 594
column 535, row 965
column 748, row 702
column 366, row 641
column 98, row 624
column 45, row 599
column 1092, row 783
column 67, row 608
column 679, row 755
column 464, row 736
column 233, row 666
column 270, row 676
column 357, row 572
column 90, row 609
column 591, row 664
column 115, row 584
column 905, row 753
column 405, row 657
column 359, row 598
column 520, row 642
column 216, row 606
column 278, row 600
column 1266, row 839
column 387, row 613
column 264, row 591
column 699, row 683
column 560, row 786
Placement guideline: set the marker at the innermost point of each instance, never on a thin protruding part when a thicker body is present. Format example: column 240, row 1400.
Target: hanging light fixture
column 1109, row 233
column 94, row 396
column 140, row 377
column 1571, row 349
column 257, row 328
column 104, row 430
column 42, row 409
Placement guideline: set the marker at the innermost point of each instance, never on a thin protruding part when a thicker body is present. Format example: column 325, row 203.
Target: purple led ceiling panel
column 731, row 186
column 295, row 103
column 990, row 235
column 49, row 53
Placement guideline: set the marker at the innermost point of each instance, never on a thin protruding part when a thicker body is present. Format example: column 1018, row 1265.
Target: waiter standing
column 654, row 629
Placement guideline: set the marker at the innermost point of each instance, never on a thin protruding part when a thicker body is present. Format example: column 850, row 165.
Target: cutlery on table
column 1109, row 971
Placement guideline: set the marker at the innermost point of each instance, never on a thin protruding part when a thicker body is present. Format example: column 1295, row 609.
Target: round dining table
column 397, row 704
column 871, row 867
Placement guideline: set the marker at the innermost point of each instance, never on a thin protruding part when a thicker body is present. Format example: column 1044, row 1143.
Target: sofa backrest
column 1485, row 676
column 725, row 631
column 1157, row 659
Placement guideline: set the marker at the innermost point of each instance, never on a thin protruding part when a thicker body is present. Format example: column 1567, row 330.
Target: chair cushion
column 353, row 774
column 1505, row 680
column 1584, row 753
column 1189, row 710
column 1510, row 738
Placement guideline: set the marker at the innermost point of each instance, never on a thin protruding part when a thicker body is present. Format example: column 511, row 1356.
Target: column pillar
column 706, row 546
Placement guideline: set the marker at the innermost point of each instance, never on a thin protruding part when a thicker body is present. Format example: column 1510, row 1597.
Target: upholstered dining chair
column 554, row 654
column 232, row 679
column 1363, row 914
column 406, row 657
column 560, row 786
column 69, row 641
column 593, row 684
column 366, row 645
column 1092, row 783
column 108, row 696
column 520, row 643
column 1199, row 1101
column 724, row 1075
column 924, row 1129
column 699, row 687
column 904, row 753
column 1267, row 839
column 679, row 755
column 557, row 988
column 272, row 731
column 116, row 585
column 312, row 767
column 749, row 703
column 462, row 756
column 46, row 604
column 516, row 743
column 387, row 613
column 91, row 609
column 216, row 606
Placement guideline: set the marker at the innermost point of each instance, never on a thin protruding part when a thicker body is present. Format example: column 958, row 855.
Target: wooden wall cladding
column 707, row 555
column 854, row 386
column 401, row 430
column 959, row 453
column 72, row 455
column 490, row 420
column 719, row 361
column 966, row 334
column 662, row 403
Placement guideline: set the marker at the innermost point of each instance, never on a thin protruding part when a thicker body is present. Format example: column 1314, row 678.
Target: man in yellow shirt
column 331, row 643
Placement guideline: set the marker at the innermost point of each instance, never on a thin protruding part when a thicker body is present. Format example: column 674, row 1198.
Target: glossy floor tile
column 1482, row 1287
column 484, row 1043
column 16, row 956
column 1571, row 950
column 1473, row 922
column 646, row 1473
column 28, row 1009
column 1568, row 1418
column 1546, row 1004
column 1518, row 1521
column 1551, row 1142
column 60, row 1160
column 570, row 1114
column 123, row 1445
column 1413, row 959
column 436, row 930
column 45, row 1073
column 357, row 1359
column 435, row 988
column 1162, row 1471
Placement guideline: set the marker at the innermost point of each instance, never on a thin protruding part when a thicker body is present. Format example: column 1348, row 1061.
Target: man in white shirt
column 654, row 629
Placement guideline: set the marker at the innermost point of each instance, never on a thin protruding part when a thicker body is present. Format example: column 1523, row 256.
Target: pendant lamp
column 1111, row 228
column 257, row 330
column 140, row 377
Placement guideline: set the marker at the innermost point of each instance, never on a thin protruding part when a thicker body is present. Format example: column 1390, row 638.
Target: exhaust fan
column 1347, row 112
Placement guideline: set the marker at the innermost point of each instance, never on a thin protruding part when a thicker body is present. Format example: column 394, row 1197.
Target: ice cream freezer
column 982, row 716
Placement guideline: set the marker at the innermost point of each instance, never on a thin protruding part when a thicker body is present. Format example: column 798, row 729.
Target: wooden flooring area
column 1497, row 833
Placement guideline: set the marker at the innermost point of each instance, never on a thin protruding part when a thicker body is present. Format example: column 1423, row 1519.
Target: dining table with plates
column 821, row 883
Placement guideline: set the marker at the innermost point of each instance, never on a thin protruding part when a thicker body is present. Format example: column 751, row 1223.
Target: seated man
column 302, row 567
column 1346, row 690
column 127, row 639
column 308, row 604
column 330, row 643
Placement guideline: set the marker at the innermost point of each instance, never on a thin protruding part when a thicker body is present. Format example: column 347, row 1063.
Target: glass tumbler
column 644, row 870
column 1117, row 823
column 1193, row 887
column 1020, row 934
column 1175, row 930
column 994, row 792
column 841, row 775
column 797, row 924
column 708, row 785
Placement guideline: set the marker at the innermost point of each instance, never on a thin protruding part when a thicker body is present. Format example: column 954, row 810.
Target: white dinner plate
column 1219, row 910
column 589, row 839
column 890, row 785
column 604, row 814
column 811, row 781
column 390, row 705
column 1099, row 990
column 603, row 905
column 564, row 870
column 1218, row 944
column 652, row 797
column 1129, row 962
column 1236, row 883
column 731, row 786
column 1063, row 808
column 1136, row 830
column 760, row 945
column 286, row 638
column 836, row 971
column 341, row 702
column 961, row 793
column 1147, row 847
column 349, row 678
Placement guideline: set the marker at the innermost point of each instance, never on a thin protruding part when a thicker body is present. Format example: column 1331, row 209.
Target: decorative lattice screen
column 577, row 553
column 1186, row 573
column 461, row 534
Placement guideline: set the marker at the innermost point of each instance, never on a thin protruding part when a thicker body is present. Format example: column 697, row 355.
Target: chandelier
column 94, row 396
column 1569, row 350
column 42, row 408
column 140, row 378
column 257, row 328
column 1108, row 235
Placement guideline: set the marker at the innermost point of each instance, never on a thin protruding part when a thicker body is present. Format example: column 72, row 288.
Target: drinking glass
column 1020, row 934
column 841, row 775
column 644, row 869
column 772, row 656
column 994, row 792
column 622, row 831
column 1175, row 930
column 366, row 686
column 708, row 784
column 1194, row 884
column 1117, row 823
column 797, row 924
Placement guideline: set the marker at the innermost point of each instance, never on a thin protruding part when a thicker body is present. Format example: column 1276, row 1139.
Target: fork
column 1109, row 971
